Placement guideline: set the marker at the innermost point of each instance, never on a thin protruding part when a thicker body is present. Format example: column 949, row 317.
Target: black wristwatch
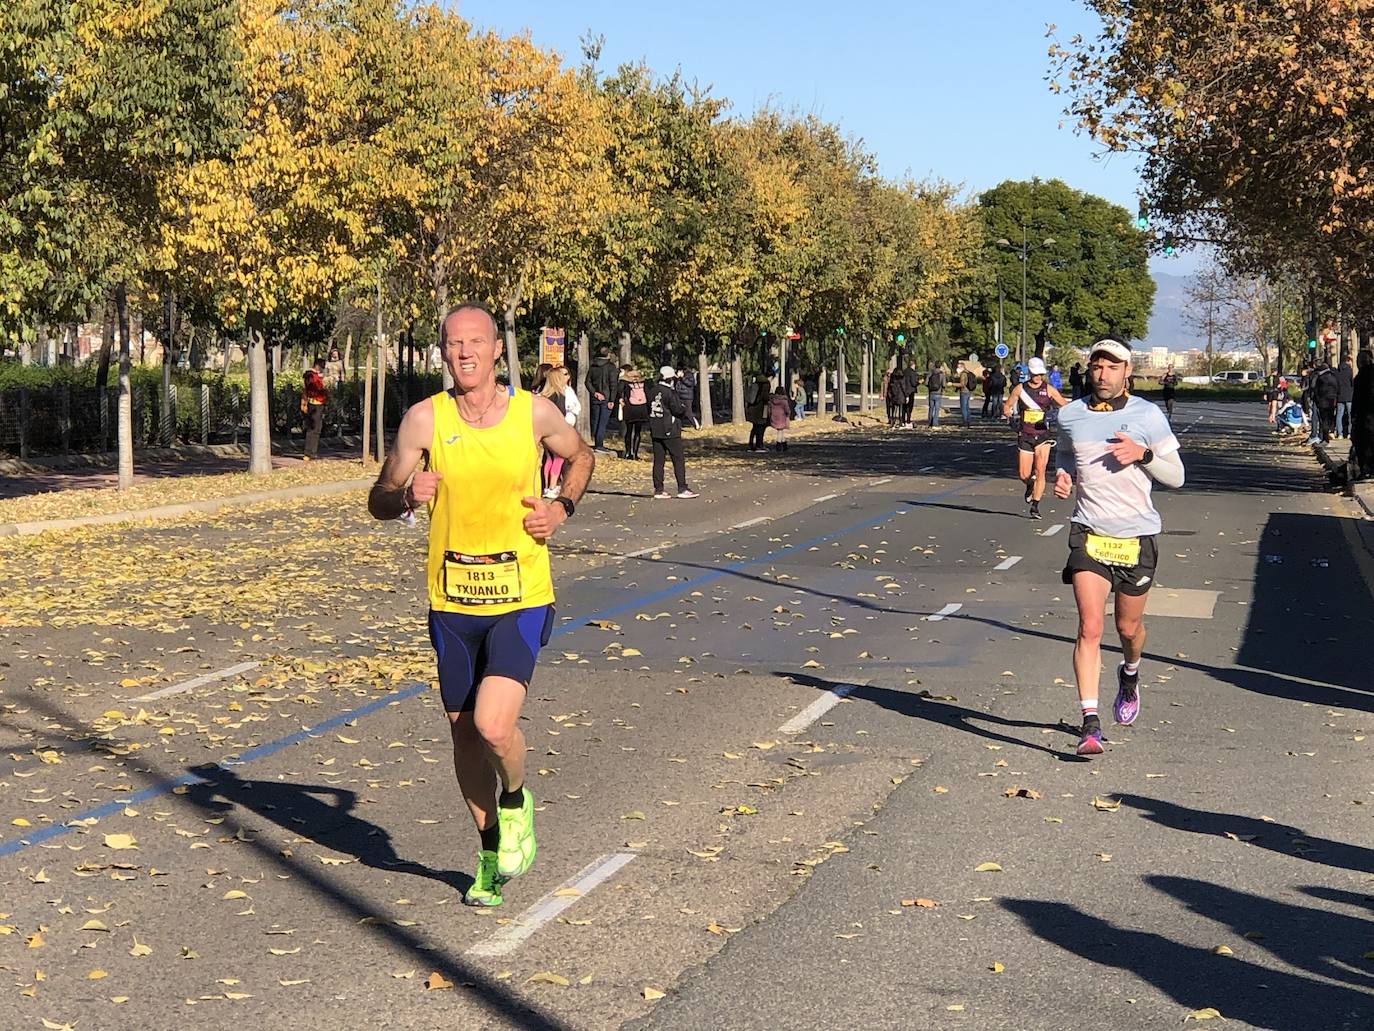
column 567, row 504
column 1147, row 457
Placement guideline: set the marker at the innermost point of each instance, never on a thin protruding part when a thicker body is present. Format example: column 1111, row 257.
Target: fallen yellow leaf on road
column 1106, row 805
column 1222, row 950
column 435, row 982
column 987, row 868
column 119, row 842
column 548, row 977
column 1204, row 1014
column 997, row 968
column 650, row 994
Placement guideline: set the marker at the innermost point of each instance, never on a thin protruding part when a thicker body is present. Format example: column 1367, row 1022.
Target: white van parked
column 1237, row 376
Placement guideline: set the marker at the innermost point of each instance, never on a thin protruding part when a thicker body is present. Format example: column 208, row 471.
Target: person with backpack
column 935, row 385
column 756, row 411
column 778, row 417
column 634, row 408
column 685, row 383
column 666, row 412
column 968, row 383
column 997, row 386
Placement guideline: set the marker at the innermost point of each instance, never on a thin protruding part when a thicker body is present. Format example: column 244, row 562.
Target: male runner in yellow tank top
column 490, row 589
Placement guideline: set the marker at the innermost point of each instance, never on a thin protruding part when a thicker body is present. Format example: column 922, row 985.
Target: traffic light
column 901, row 338
column 1169, row 247
column 839, row 331
column 1142, row 218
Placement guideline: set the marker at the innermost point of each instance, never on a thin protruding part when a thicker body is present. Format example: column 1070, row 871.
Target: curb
column 281, row 447
column 186, row 508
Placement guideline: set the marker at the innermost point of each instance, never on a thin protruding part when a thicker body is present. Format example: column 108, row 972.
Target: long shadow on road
column 1274, row 837
column 1195, row 978
column 923, row 706
column 489, row 994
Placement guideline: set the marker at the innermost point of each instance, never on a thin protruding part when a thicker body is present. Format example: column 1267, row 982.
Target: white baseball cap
column 1036, row 366
column 666, row 372
column 1119, row 352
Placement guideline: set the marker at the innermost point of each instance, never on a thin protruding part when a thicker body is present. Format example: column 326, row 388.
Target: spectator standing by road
column 602, row 381
column 557, row 388
column 1076, row 381
column 996, row 388
column 1056, row 378
column 911, row 382
column 968, row 383
column 756, row 411
column 1325, row 390
column 799, row 399
column 1345, row 395
column 685, row 383
column 666, row 413
column 894, row 393
column 634, row 408
column 1362, row 415
column 314, row 396
column 935, row 385
column 778, row 411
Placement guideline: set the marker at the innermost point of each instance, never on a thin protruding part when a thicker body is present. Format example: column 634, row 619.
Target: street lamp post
column 1023, row 252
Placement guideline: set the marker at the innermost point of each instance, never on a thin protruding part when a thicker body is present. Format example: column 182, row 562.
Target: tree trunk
column 107, row 339
column 348, row 357
column 512, row 350
column 865, row 384
column 168, row 422
column 584, row 397
column 1041, row 338
column 126, row 413
column 259, row 422
column 381, row 380
column 704, row 388
column 624, row 347
column 441, row 309
column 367, row 409
column 822, row 386
column 736, row 384
column 842, row 389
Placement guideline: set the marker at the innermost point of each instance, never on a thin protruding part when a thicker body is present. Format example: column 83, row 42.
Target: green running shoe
column 517, row 837
column 485, row 889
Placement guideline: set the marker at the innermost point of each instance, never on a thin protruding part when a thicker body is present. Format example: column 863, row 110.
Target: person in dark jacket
column 685, row 383
column 1076, row 380
column 1325, row 390
column 1345, row 394
column 1362, row 415
column 666, row 412
column 997, row 386
column 894, row 392
column 634, row 408
column 602, row 380
column 911, row 382
column 756, row 410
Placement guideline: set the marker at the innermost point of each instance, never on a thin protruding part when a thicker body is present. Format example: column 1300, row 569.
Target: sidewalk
column 718, row 449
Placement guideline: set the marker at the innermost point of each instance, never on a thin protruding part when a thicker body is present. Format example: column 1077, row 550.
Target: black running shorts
column 1132, row 581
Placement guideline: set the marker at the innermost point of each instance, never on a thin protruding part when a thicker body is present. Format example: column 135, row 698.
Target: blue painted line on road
column 166, row 785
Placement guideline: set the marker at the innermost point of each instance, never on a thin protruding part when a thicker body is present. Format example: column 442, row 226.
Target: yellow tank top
column 481, row 560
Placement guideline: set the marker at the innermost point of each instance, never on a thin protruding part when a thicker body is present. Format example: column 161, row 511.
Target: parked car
column 1235, row 376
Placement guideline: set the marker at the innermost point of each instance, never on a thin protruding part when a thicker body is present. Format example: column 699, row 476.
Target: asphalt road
column 775, row 736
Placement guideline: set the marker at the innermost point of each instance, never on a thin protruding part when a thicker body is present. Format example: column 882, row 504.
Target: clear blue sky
column 951, row 90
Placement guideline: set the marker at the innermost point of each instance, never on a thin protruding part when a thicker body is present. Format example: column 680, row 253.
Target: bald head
column 468, row 312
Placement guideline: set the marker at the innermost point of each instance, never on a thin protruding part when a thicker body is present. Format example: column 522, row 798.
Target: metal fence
column 70, row 418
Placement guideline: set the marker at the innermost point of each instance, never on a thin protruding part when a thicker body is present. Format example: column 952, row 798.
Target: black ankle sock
column 512, row 799
column 491, row 838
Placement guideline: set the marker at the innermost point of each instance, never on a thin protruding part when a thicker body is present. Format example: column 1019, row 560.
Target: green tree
column 1086, row 266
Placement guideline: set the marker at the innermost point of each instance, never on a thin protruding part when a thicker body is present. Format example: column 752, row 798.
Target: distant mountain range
column 1167, row 328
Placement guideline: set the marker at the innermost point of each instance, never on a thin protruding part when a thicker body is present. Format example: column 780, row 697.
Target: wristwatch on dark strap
column 1145, row 459
column 567, row 504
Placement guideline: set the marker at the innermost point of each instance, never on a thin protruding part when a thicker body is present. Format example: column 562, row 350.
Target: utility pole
column 1021, row 343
